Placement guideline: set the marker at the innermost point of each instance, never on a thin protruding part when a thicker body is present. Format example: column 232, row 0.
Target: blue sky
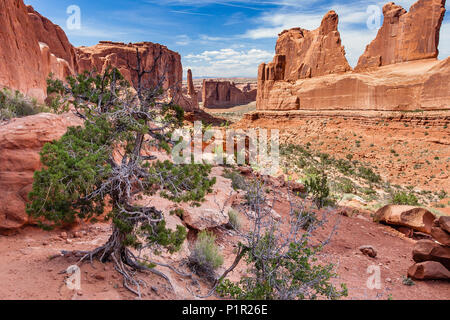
column 219, row 38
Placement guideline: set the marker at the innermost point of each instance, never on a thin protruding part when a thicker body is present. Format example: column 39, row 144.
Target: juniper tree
column 108, row 163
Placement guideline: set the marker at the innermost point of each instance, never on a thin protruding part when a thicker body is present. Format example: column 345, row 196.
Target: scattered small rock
column 368, row 251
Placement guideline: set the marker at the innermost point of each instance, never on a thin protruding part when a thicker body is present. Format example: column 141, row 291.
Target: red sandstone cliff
column 32, row 47
column 405, row 36
column 398, row 71
column 225, row 94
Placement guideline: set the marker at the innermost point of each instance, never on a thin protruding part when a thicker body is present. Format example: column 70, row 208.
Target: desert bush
column 282, row 265
column 345, row 185
column 237, row 180
column 404, row 198
column 205, row 257
column 317, row 186
column 16, row 105
column 235, row 220
column 368, row 174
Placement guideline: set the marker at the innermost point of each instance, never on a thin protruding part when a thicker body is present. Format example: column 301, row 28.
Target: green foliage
column 291, row 275
column 317, row 186
column 82, row 174
column 235, row 220
column 182, row 183
column 16, row 105
column 237, row 180
column 408, row 281
column 74, row 166
column 205, row 257
column 368, row 174
column 404, row 198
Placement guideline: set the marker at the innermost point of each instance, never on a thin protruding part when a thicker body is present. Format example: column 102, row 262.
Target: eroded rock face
column 415, row 85
column 20, row 143
column 53, row 36
column 225, row 94
column 313, row 53
column 398, row 71
column 30, row 48
column 20, row 64
column 405, row 36
column 121, row 55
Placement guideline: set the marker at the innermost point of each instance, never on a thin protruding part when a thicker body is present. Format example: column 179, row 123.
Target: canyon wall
column 226, row 94
column 398, row 72
column 32, row 47
column 405, row 36
column 26, row 50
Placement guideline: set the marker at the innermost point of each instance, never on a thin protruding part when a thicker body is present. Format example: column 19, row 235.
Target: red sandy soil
column 27, row 272
column 422, row 151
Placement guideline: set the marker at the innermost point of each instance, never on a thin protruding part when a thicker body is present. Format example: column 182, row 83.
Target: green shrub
column 16, row 105
column 235, row 220
column 317, row 186
column 368, row 174
column 205, row 258
column 237, row 180
column 404, row 198
column 345, row 186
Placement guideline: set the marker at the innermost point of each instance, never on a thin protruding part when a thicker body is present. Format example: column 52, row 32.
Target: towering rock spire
column 405, row 36
column 190, row 83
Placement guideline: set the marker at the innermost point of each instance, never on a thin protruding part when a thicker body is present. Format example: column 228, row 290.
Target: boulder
column 441, row 236
column 407, row 216
column 429, row 270
column 368, row 251
column 444, row 223
column 213, row 212
column 427, row 250
column 21, row 140
column 405, row 36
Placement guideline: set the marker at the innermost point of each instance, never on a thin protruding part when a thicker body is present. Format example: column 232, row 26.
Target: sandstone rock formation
column 21, row 59
column 429, row 270
column 191, row 99
column 398, row 71
column 225, row 94
column 405, row 36
column 53, row 36
column 121, row 56
column 312, row 53
column 32, row 47
column 427, row 250
column 407, row 216
column 20, row 143
column 301, row 54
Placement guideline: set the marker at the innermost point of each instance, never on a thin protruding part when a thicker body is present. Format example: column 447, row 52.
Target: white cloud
column 227, row 62
column 183, row 40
